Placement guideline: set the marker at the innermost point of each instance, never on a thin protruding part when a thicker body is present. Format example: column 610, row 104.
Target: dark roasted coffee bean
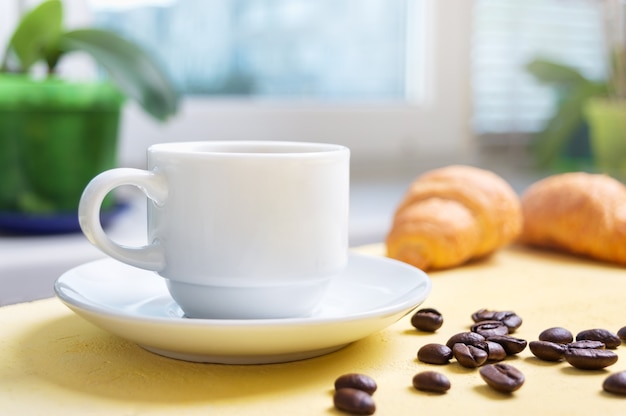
column 431, row 381
column 354, row 401
column 508, row 318
column 482, row 315
column 586, row 344
column 434, row 354
column 469, row 356
column 502, row 377
column 556, row 334
column 513, row 322
column 547, row 350
column 467, row 338
column 615, row 383
column 510, row 344
column 495, row 351
column 490, row 328
column 609, row 339
column 590, row 359
column 356, row 381
column 427, row 319
column 622, row 333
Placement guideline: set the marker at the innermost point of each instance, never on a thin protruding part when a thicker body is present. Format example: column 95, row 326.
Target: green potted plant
column 588, row 129
column 563, row 144
column 55, row 134
column 606, row 114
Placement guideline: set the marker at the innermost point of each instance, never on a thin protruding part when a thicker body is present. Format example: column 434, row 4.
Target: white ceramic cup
column 239, row 230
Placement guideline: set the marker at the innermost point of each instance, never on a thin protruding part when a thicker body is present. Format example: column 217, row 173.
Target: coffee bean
column 495, row 351
column 356, row 381
column 469, row 356
column 431, row 381
column 615, row 383
column 482, row 315
column 586, row 344
column 508, row 318
column 511, row 345
column 547, row 350
column 609, row 339
column 434, row 354
column 556, row 334
column 622, row 333
column 490, row 328
column 354, row 401
column 427, row 319
column 589, row 358
column 467, row 338
column 502, row 377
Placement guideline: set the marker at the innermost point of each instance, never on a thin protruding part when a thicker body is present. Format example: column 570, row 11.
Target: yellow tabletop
column 55, row 363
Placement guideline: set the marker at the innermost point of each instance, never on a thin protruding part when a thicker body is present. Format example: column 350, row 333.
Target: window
column 387, row 79
column 323, row 50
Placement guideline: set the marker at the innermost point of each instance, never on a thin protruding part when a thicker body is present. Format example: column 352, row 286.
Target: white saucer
column 373, row 293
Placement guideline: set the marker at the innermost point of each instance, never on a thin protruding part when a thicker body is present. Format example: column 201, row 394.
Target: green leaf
column 37, row 35
column 555, row 73
column 567, row 120
column 136, row 74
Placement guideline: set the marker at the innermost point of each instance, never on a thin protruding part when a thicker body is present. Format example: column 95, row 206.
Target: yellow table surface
column 52, row 362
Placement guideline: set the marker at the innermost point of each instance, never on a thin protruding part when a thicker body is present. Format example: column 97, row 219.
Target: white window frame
column 438, row 126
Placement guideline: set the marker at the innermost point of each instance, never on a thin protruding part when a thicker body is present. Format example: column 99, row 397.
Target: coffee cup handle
column 151, row 256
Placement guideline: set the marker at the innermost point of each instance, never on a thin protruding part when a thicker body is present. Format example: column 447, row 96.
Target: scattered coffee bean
column 511, row 345
column 615, row 383
column 431, row 381
column 356, row 381
column 467, row 338
column 354, row 401
column 589, row 358
column 502, row 377
column 427, row 319
column 434, row 354
column 556, row 334
column 489, row 340
column 609, row 339
column 483, row 315
column 547, row 350
column 490, row 328
column 586, row 344
column 495, row 351
column 508, row 318
column 469, row 356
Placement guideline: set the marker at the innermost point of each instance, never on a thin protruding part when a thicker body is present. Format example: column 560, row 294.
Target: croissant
column 451, row 215
column 579, row 213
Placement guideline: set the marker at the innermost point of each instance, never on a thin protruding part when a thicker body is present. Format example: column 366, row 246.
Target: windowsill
column 30, row 265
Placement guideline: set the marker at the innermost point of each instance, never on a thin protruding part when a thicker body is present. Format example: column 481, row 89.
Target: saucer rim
column 279, row 340
column 395, row 307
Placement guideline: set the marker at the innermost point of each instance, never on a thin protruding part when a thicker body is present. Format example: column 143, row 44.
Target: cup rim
column 257, row 148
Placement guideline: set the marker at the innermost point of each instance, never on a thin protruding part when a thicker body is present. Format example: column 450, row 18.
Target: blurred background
column 408, row 85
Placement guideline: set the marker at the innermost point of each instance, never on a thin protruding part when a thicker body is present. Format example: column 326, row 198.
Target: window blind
column 507, row 35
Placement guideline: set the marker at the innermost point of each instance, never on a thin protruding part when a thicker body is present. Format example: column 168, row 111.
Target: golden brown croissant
column 577, row 212
column 451, row 215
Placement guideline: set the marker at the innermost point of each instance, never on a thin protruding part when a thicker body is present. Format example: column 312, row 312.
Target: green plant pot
column 55, row 136
column 607, row 124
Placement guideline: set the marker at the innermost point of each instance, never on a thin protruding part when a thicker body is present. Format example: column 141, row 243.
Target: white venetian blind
column 508, row 34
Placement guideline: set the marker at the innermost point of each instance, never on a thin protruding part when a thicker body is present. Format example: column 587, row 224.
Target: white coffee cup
column 240, row 229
